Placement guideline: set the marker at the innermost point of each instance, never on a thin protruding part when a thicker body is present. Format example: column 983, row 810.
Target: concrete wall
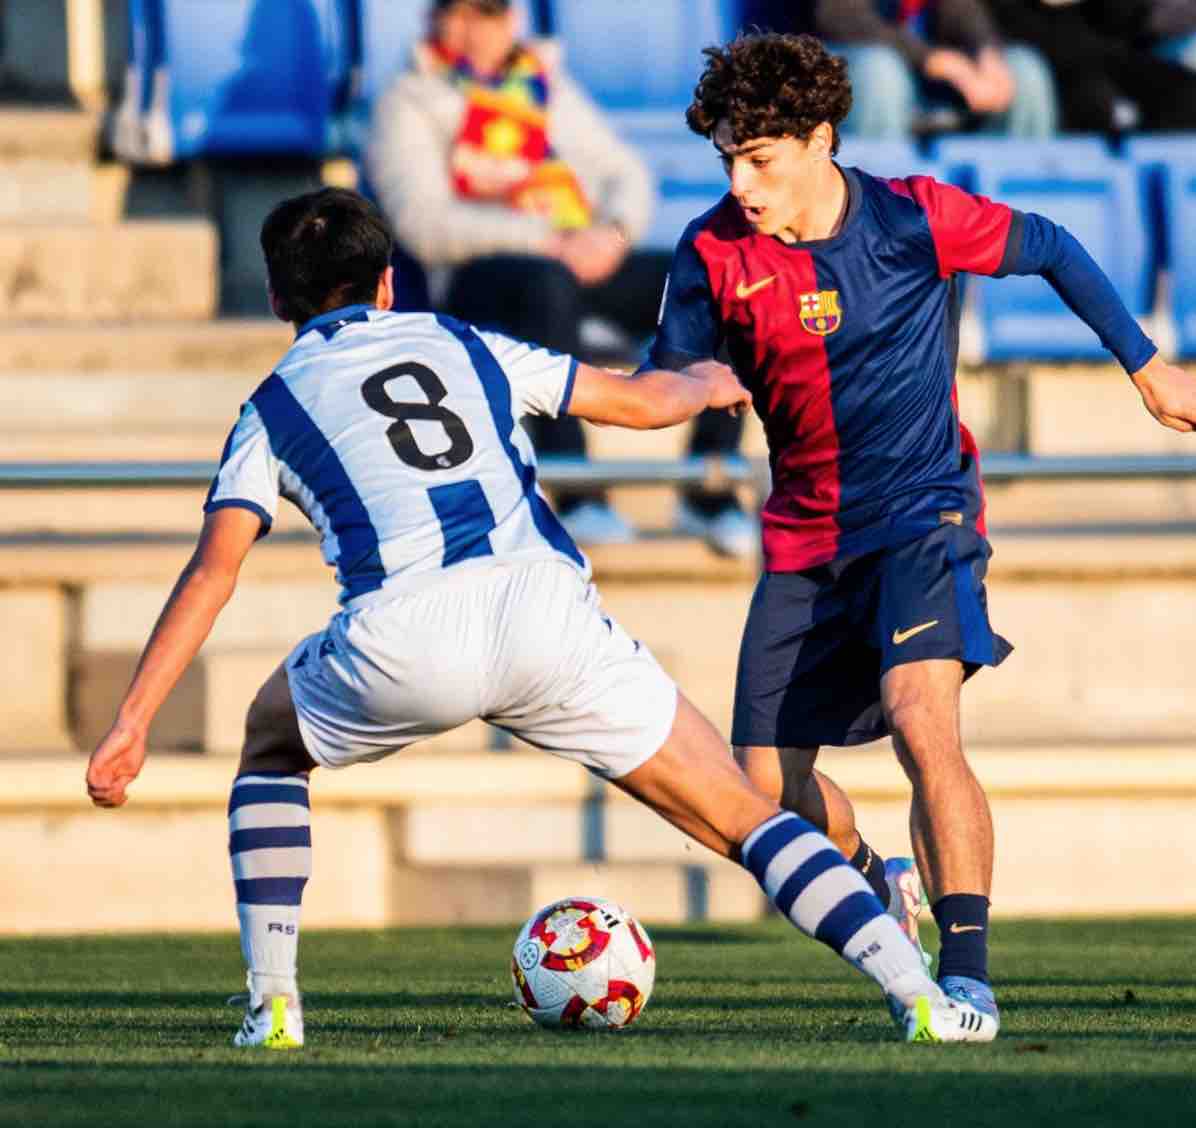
column 446, row 838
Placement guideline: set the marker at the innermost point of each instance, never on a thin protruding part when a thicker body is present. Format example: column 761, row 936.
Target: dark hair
column 324, row 250
column 770, row 85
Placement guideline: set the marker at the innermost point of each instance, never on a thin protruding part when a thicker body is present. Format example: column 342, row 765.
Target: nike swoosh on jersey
column 742, row 291
column 904, row 636
column 958, row 928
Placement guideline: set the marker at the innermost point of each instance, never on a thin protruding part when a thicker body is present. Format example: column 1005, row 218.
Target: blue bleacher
column 239, row 77
column 1153, row 156
column 889, row 159
column 1078, row 183
column 640, row 60
column 1180, row 206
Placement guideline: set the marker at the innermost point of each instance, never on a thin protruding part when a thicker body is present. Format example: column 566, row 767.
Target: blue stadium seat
column 1152, row 155
column 1180, row 207
column 689, row 179
column 640, row 60
column 1075, row 182
column 961, row 155
column 885, row 158
column 242, row 77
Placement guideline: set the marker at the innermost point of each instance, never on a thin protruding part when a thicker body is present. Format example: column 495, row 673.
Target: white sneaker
column 276, row 1025
column 594, row 522
column 729, row 532
column 940, row 1019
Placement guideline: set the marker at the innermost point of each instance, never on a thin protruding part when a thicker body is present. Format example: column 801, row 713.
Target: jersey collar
column 328, row 323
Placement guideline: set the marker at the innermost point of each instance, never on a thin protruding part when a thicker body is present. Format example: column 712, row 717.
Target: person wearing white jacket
column 524, row 207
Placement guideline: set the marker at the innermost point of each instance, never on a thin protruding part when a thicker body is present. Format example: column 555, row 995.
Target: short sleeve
column 688, row 328
column 970, row 233
column 248, row 476
column 541, row 380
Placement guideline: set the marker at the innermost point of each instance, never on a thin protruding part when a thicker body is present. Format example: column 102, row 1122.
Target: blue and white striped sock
column 269, row 842
column 811, row 882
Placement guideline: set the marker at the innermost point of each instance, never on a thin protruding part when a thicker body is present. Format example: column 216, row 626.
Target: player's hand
column 1168, row 392
column 725, row 389
column 114, row 764
column 593, row 254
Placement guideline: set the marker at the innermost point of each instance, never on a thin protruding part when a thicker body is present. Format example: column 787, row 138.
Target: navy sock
column 963, row 931
column 872, row 866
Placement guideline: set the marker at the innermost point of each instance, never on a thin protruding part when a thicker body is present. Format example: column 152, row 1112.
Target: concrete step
column 1095, row 659
column 62, row 189
column 154, row 269
column 48, row 133
column 249, row 345
column 122, row 874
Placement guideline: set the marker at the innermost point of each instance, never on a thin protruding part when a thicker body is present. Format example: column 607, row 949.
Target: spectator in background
column 935, row 65
column 522, row 205
column 1119, row 63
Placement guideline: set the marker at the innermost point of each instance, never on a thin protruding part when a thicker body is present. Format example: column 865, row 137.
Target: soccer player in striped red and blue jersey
column 834, row 294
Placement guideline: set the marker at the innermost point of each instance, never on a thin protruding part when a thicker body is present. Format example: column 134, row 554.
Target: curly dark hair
column 770, row 85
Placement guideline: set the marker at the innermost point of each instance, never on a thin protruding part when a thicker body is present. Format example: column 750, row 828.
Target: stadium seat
column 885, row 158
column 1179, row 197
column 239, row 77
column 639, row 60
column 962, row 156
column 1075, row 182
column 1152, row 155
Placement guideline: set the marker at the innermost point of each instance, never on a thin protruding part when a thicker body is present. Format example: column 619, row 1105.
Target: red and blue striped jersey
column 848, row 345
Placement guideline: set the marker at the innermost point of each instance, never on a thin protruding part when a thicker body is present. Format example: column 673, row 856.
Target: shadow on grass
column 298, row 1092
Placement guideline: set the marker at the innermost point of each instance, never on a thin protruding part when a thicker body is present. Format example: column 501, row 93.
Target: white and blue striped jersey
column 397, row 436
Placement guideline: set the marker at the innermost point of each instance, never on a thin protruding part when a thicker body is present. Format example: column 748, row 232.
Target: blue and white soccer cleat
column 943, row 1019
column 906, row 899
column 275, row 1025
column 973, row 993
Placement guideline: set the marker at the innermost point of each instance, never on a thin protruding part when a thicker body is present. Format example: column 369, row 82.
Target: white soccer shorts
column 524, row 646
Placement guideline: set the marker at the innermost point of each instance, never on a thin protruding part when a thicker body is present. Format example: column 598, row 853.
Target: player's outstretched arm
column 203, row 588
column 1168, row 392
column 655, row 397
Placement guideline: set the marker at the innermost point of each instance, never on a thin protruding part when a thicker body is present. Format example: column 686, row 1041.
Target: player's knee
column 922, row 736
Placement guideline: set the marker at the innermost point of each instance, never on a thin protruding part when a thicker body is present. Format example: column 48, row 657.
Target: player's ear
column 822, row 141
column 385, row 296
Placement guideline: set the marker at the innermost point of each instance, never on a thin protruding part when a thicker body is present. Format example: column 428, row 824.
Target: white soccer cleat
column 275, row 1025
column 906, row 898
column 939, row 1019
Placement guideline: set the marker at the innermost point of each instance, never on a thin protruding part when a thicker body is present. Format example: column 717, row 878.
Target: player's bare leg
column 788, row 775
column 694, row 782
column 270, row 846
column 950, row 821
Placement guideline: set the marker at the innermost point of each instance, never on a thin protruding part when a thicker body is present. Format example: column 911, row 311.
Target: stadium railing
column 712, row 472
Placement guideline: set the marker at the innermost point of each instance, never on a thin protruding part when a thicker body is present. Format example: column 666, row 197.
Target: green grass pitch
column 749, row 1025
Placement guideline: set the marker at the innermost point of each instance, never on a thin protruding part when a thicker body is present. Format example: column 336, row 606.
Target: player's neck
column 824, row 210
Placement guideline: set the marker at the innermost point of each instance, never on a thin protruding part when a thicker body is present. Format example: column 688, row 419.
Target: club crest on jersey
column 820, row 313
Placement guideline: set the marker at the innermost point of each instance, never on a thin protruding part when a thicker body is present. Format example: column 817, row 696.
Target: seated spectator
column 1119, row 64
column 921, row 66
column 522, row 205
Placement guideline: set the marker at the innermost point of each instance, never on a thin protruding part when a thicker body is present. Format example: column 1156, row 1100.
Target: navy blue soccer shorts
column 817, row 642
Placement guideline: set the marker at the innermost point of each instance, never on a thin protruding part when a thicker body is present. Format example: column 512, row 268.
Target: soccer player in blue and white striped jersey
column 397, row 436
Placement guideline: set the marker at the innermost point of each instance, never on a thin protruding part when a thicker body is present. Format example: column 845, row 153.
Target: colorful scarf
column 501, row 151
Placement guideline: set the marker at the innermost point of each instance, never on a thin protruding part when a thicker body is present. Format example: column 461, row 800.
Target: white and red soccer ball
column 583, row 962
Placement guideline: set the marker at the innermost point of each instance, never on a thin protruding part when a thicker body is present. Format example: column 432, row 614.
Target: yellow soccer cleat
column 275, row 1025
column 946, row 1020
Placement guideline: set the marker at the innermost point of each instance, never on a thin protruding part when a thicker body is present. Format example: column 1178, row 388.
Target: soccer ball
column 583, row 962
